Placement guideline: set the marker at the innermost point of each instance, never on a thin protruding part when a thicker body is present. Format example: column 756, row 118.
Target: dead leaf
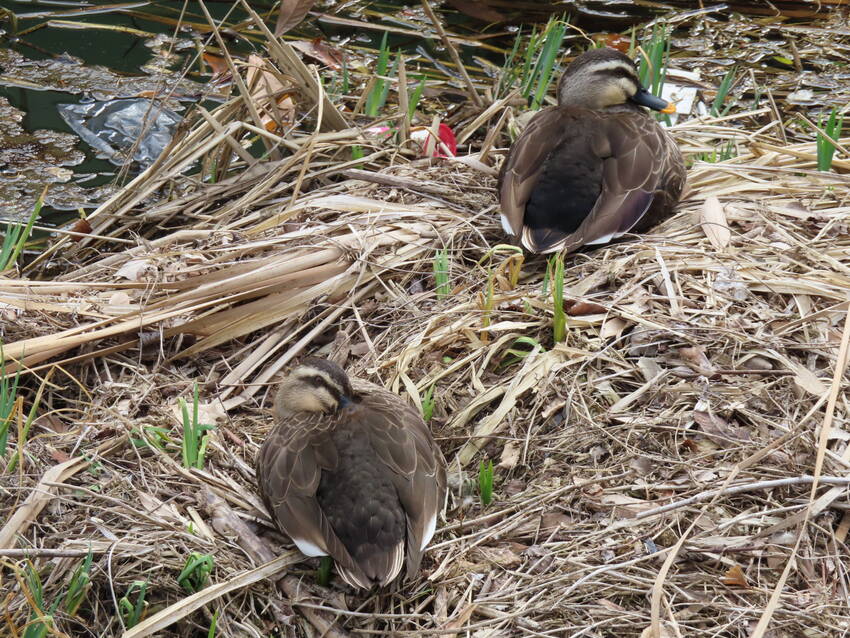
column 217, row 63
column 582, row 308
column 321, row 51
column 58, row 455
column 80, row 226
column 510, row 455
column 713, row 425
column 613, row 41
column 501, row 556
column 613, row 327
column 53, row 423
column 695, row 357
column 135, row 269
column 291, row 14
column 714, row 224
column 735, row 577
column 119, row 298
column 271, row 96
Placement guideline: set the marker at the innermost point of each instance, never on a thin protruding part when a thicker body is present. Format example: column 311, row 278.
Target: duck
column 594, row 167
column 351, row 471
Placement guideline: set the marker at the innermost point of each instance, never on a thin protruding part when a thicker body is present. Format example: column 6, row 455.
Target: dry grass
column 653, row 469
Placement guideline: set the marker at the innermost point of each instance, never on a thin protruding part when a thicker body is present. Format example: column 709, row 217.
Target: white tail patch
column 506, row 226
column 307, row 548
column 429, row 531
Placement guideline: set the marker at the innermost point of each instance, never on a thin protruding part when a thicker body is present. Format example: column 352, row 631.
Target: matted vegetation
column 653, row 464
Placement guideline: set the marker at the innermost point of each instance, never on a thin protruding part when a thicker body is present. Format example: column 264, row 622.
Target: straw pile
column 653, row 471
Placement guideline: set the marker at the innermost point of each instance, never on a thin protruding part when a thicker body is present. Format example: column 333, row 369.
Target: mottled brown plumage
column 594, row 167
column 351, row 471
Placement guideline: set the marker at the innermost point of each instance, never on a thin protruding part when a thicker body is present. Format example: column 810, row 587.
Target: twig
column 453, row 52
column 748, row 487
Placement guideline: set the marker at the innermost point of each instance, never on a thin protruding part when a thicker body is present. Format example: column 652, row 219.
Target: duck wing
column 524, row 164
column 289, row 471
column 576, row 177
column 641, row 169
column 403, row 443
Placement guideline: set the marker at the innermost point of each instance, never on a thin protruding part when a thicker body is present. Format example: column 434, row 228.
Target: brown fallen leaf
column 58, row 455
column 510, row 455
column 80, row 226
column 321, row 51
column 217, row 63
column 292, row 12
column 581, row 308
column 735, row 577
column 51, row 422
column 713, row 222
column 500, row 556
column 270, row 95
column 714, row 425
column 613, row 41
column 695, row 357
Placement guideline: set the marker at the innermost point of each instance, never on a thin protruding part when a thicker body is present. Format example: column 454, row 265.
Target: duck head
column 317, row 385
column 603, row 78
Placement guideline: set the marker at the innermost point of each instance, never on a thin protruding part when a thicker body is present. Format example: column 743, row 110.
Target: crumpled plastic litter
column 113, row 126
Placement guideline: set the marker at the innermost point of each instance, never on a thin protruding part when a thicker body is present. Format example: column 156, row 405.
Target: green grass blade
column 441, row 268
column 415, row 96
column 485, row 482
column 559, row 319
column 21, row 239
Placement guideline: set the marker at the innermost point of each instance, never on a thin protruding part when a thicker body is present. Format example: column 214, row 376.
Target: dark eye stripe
column 616, row 73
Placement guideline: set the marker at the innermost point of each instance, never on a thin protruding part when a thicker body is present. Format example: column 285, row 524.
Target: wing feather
column 404, row 443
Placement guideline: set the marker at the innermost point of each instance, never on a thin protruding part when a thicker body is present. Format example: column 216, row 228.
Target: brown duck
column 351, row 471
column 594, row 167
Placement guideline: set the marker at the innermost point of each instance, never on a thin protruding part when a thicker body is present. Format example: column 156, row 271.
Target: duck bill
column 650, row 101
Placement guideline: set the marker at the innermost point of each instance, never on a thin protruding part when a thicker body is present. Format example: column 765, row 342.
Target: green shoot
column 485, row 482
column 196, row 572
column 195, row 438
column 559, row 318
column 41, row 617
column 717, row 108
column 441, row 273
column 428, row 402
column 381, row 87
column 78, row 585
column 553, row 37
column 727, row 151
column 16, row 236
column 211, row 632
column 509, row 70
column 826, row 149
column 515, row 355
column 323, row 574
column 150, row 436
column 132, row 613
column 415, row 96
column 8, row 399
column 652, row 67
